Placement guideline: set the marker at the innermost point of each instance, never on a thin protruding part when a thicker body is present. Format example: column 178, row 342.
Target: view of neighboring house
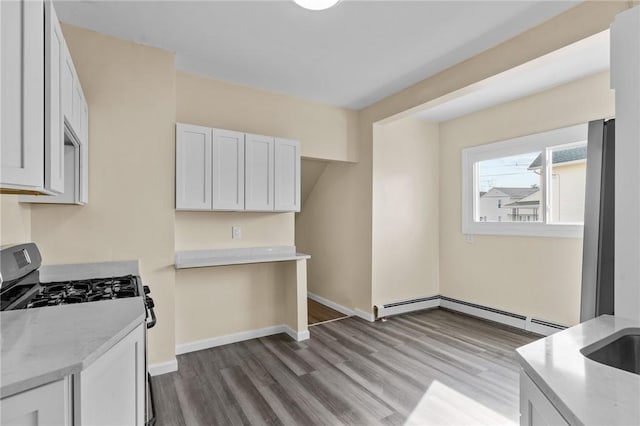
column 518, row 204
column 496, row 205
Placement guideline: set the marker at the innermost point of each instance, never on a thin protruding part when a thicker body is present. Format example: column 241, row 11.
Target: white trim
column 298, row 336
column 198, row 345
column 364, row 315
column 383, row 312
column 333, row 305
column 163, row 367
column 537, row 142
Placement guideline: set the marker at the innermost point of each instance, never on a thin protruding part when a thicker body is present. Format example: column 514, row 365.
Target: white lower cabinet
column 48, row 404
column 112, row 389
column 535, row 408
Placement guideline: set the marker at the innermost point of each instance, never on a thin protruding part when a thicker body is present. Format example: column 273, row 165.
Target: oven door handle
column 150, row 306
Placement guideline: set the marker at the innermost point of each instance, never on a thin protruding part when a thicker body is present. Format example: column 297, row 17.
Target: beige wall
column 538, row 277
column 405, row 211
column 15, row 221
column 130, row 90
column 324, row 132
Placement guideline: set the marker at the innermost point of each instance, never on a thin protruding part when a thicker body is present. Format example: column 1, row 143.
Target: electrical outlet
column 236, row 232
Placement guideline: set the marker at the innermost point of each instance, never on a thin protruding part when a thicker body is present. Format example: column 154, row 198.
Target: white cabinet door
column 22, row 94
column 53, row 118
column 228, row 170
column 258, row 172
column 193, row 167
column 535, row 408
column 112, row 389
column 45, row 405
column 287, row 175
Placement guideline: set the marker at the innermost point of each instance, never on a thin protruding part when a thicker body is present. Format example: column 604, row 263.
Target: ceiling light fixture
column 316, row 4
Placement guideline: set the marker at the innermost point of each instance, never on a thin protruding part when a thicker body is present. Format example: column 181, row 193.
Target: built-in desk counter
column 238, row 256
column 294, row 277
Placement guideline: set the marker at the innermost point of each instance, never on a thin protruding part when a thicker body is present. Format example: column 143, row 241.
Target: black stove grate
column 69, row 292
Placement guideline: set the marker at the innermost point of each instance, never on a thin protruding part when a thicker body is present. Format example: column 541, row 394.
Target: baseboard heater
column 405, row 306
column 509, row 318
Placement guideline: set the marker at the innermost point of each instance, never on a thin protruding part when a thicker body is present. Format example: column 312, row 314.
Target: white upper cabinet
column 259, row 172
column 53, row 120
column 193, row 167
column 22, row 87
column 228, row 170
column 287, row 175
column 66, row 120
column 223, row 170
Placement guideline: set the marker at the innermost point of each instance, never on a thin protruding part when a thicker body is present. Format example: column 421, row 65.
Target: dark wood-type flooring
column 317, row 312
column 431, row 367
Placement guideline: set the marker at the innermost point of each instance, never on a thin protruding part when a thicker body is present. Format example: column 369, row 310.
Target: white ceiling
column 580, row 59
column 351, row 55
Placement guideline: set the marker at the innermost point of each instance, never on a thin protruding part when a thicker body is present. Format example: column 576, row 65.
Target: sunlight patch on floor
column 441, row 405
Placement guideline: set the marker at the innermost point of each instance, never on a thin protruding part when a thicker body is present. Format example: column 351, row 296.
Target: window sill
column 523, row 229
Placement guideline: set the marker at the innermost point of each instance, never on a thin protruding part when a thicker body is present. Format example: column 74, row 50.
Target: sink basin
column 622, row 353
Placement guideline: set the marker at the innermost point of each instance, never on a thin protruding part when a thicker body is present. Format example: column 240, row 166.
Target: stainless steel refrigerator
column 599, row 222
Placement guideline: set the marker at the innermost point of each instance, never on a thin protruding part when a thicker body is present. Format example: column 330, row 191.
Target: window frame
column 543, row 142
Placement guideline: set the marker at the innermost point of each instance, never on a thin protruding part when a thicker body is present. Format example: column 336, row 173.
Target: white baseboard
column 364, row 315
column 163, row 367
column 199, row 345
column 330, row 303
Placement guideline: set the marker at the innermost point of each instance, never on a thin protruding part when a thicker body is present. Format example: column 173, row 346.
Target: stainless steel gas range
column 25, row 284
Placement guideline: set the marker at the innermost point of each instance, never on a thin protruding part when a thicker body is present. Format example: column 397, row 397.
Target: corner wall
column 405, row 211
column 539, row 276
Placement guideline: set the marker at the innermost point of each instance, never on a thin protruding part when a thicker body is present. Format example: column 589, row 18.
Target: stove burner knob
column 146, row 290
column 149, row 302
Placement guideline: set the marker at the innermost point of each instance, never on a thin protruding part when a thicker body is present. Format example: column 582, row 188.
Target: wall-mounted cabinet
column 228, row 170
column 66, row 121
column 193, row 167
column 22, row 70
column 259, row 173
column 223, row 170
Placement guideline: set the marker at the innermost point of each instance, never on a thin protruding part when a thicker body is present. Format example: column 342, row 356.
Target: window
column 532, row 185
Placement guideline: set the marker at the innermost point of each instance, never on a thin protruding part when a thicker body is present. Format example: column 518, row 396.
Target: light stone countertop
column 585, row 392
column 237, row 256
column 45, row 344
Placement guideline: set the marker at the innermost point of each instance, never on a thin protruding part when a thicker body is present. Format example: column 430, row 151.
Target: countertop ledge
column 42, row 345
column 585, row 392
column 238, row 256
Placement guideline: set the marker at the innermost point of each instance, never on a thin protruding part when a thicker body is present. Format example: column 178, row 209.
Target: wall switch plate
column 468, row 238
column 236, row 232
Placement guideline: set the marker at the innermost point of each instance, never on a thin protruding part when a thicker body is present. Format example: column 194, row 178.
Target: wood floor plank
column 317, row 312
column 433, row 367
